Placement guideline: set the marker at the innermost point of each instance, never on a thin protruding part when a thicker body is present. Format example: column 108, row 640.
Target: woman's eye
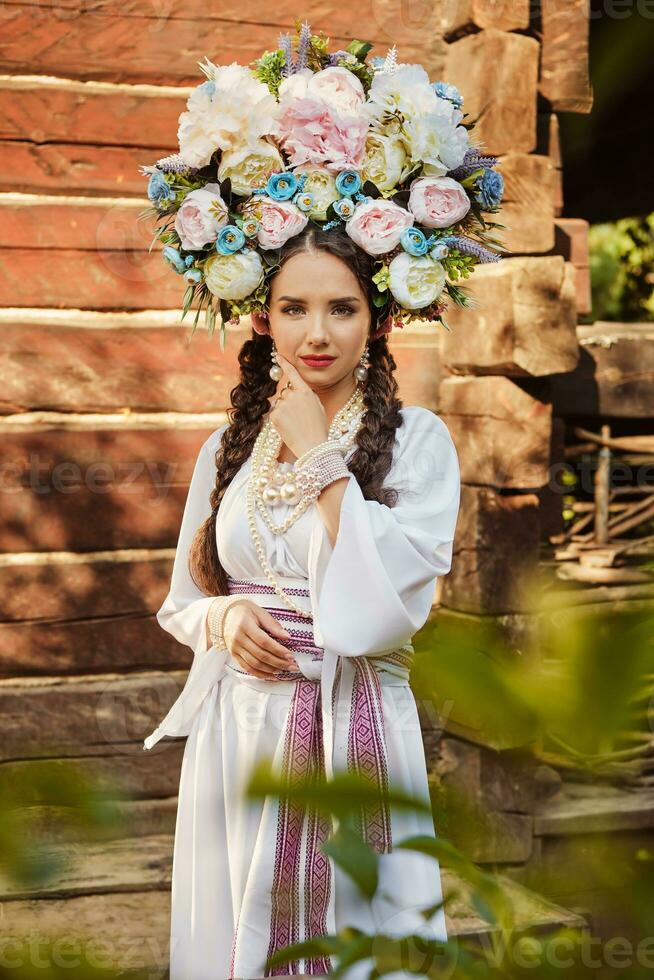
column 290, row 309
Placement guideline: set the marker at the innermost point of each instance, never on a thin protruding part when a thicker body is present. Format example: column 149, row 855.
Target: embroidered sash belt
column 303, row 757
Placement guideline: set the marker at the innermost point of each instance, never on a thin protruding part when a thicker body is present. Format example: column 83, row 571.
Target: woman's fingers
column 250, row 642
column 274, row 650
column 269, row 623
column 291, row 372
column 263, row 659
column 247, row 658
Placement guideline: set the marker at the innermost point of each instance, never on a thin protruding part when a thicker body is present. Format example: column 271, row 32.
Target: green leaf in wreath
column 359, row 48
column 370, row 189
column 226, row 191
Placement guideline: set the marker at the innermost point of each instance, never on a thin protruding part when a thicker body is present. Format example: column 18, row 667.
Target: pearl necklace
column 266, row 475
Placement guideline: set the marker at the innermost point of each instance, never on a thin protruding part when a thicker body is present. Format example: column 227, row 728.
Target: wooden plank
column 58, row 360
column 496, row 545
column 506, row 111
column 502, row 433
column 495, row 780
column 564, row 70
column 59, row 585
column 65, row 135
column 571, row 241
column 117, row 643
column 116, row 775
column 129, row 930
column 36, row 108
column 76, row 222
column 101, row 714
column 129, row 818
column 84, row 490
column 528, row 204
column 69, row 167
column 121, row 865
column 468, row 15
column 585, row 809
column 524, row 323
column 549, row 143
column 77, row 41
column 102, row 280
column 369, row 19
column 614, row 376
column 144, row 865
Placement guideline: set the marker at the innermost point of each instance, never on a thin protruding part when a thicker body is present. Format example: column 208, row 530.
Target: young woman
column 313, row 660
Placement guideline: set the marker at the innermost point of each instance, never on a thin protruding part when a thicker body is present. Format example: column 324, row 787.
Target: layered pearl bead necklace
column 274, row 483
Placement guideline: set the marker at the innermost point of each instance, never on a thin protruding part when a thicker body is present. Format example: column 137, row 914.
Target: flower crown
column 335, row 140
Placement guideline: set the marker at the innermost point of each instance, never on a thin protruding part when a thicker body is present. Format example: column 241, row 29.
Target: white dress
column 369, row 595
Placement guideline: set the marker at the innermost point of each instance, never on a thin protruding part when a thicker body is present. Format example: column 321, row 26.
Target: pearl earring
column 276, row 370
column 361, row 370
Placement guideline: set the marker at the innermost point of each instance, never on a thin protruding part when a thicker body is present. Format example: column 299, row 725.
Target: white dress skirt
column 249, row 876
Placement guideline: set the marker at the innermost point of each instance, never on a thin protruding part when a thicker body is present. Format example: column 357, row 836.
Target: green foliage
column 622, row 269
column 268, row 69
column 458, row 266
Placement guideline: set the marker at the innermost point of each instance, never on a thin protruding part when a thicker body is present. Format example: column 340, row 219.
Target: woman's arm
column 184, row 610
column 329, row 503
column 378, row 586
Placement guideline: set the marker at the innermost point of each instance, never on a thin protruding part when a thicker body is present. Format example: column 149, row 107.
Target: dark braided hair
column 250, row 400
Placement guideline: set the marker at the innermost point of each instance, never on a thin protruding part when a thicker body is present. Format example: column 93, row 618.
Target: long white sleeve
column 378, row 586
column 184, row 610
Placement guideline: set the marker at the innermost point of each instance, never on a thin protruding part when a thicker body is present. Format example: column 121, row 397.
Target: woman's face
column 316, row 306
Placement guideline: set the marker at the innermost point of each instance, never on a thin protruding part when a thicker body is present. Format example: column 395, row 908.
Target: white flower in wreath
column 322, row 184
column 415, row 281
column 406, row 90
column 233, row 277
column 385, row 161
column 248, row 167
column 231, row 108
column 437, row 140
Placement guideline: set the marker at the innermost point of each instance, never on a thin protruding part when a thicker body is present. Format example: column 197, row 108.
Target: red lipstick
column 318, row 360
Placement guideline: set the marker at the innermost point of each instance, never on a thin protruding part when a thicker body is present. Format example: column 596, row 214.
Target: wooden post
column 602, row 489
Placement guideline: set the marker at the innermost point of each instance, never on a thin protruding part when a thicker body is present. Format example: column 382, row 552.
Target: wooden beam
column 505, row 110
column 564, row 66
column 523, row 323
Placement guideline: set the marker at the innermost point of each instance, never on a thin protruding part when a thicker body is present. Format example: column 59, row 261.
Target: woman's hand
column 246, row 630
column 299, row 415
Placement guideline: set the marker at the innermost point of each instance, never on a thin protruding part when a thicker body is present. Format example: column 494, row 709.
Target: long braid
column 375, row 439
column 250, row 402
